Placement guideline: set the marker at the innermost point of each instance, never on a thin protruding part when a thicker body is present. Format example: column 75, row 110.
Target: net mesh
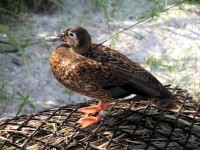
column 135, row 124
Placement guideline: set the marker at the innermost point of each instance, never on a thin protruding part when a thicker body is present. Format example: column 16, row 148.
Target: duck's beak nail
column 53, row 38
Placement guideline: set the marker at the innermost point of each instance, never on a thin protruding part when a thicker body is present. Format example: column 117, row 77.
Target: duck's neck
column 82, row 50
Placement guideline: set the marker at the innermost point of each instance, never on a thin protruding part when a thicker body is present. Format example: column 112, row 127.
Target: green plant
column 5, row 97
column 193, row 2
column 65, row 8
column 103, row 4
column 8, row 48
column 25, row 101
column 157, row 6
column 114, row 40
column 58, row 3
column 18, row 47
column 69, row 93
column 3, row 91
column 13, row 6
column 12, row 9
column 172, row 67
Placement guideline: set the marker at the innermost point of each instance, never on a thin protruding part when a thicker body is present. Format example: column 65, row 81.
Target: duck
column 97, row 71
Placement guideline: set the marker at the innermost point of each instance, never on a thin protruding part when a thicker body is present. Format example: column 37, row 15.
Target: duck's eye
column 72, row 35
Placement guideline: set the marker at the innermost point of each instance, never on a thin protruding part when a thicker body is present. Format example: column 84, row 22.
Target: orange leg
column 87, row 121
column 93, row 109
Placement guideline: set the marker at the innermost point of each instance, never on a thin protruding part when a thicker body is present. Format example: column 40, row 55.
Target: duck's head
column 76, row 37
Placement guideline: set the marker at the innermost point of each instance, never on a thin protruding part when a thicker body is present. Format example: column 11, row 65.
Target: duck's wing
column 136, row 85
column 126, row 77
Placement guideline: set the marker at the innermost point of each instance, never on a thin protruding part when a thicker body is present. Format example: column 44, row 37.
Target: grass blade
column 19, row 48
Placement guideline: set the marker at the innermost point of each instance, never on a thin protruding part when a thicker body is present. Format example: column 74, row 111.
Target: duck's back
column 128, row 74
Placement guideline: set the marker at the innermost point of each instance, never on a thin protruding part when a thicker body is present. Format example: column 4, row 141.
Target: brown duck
column 99, row 72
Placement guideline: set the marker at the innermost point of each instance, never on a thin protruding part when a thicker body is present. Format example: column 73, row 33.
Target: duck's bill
column 54, row 38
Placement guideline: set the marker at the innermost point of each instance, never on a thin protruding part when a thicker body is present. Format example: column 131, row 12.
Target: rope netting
column 133, row 124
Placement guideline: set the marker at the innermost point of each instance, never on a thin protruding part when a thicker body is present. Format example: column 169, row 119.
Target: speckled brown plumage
column 100, row 72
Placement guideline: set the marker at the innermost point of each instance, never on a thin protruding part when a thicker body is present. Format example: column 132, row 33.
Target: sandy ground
column 173, row 39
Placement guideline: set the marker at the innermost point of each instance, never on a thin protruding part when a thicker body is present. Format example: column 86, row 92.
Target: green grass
column 3, row 91
column 96, row 4
column 69, row 94
column 7, row 47
column 13, row 7
column 67, row 10
column 19, row 49
column 103, row 4
column 172, row 67
column 195, row 2
column 25, row 101
column 5, row 96
column 114, row 40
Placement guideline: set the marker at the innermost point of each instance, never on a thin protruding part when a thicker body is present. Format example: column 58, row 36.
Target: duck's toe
column 88, row 121
column 93, row 109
